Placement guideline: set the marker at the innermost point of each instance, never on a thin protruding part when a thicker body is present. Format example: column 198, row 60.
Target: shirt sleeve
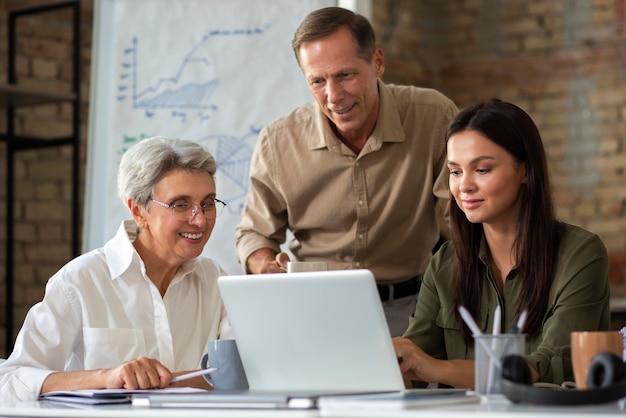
column 42, row 346
column 579, row 300
column 264, row 218
column 427, row 326
column 440, row 188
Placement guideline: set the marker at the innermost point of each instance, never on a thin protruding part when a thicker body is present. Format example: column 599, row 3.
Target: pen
column 471, row 324
column 469, row 321
column 193, row 374
column 517, row 328
column 497, row 315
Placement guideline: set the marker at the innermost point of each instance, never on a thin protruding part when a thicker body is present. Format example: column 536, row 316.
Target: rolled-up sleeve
column 19, row 383
column 43, row 345
column 264, row 218
column 579, row 301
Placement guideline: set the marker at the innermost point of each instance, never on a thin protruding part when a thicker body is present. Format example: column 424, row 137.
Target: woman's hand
column 142, row 373
column 195, row 382
column 415, row 364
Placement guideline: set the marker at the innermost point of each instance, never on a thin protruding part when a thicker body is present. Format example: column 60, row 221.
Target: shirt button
column 357, row 264
column 360, row 236
column 360, row 203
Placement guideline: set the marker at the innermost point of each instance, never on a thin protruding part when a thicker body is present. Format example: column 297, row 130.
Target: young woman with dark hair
column 507, row 249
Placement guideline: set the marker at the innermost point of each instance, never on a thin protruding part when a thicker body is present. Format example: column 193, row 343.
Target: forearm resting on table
column 141, row 373
column 461, row 373
column 417, row 365
column 456, row 373
column 80, row 379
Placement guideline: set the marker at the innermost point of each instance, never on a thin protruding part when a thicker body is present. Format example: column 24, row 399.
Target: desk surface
column 492, row 407
column 57, row 409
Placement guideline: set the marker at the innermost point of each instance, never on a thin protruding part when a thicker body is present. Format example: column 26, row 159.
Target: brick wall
column 561, row 60
column 43, row 190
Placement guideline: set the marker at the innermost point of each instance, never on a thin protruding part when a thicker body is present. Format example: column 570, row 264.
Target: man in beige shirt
column 356, row 177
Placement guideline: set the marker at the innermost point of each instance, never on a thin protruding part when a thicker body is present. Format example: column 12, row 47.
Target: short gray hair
column 145, row 163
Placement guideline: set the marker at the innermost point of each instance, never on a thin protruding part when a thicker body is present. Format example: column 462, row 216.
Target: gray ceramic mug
column 223, row 355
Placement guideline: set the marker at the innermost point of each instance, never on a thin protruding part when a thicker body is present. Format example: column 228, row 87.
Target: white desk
column 56, row 409
column 494, row 407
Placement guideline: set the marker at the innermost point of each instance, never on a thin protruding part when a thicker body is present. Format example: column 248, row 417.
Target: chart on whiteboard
column 211, row 71
column 185, row 101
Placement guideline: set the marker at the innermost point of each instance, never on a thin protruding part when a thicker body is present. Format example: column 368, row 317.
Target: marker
column 471, row 324
column 497, row 320
column 497, row 316
column 193, row 374
column 517, row 328
column 469, row 321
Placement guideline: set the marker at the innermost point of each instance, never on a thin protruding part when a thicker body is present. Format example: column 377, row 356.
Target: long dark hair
column 537, row 242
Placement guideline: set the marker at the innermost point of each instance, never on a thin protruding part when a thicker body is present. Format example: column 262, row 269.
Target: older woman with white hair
column 140, row 310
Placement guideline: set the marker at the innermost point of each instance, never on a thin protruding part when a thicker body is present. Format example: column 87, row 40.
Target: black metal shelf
column 12, row 96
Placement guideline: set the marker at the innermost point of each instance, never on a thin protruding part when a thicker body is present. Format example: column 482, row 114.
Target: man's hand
column 265, row 260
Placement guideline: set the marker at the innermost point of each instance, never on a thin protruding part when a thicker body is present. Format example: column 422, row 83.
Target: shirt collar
column 483, row 256
column 119, row 251
column 388, row 127
column 121, row 254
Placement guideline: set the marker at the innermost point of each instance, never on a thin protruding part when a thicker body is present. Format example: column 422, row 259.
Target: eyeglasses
column 187, row 211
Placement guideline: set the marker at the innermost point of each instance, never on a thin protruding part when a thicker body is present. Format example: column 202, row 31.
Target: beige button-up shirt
column 375, row 210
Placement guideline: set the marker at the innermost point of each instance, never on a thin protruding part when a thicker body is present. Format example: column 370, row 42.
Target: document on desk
column 110, row 396
column 410, row 399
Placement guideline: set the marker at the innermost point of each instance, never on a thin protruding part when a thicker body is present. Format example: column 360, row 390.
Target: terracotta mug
column 586, row 345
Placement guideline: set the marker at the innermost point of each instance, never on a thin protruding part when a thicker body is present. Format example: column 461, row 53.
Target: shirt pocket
column 453, row 339
column 110, row 347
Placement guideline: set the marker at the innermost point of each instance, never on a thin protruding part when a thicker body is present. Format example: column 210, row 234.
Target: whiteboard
column 213, row 71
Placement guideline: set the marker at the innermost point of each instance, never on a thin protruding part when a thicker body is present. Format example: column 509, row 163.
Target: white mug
column 297, row 266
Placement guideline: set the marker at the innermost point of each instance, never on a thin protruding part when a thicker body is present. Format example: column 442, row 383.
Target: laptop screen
column 312, row 331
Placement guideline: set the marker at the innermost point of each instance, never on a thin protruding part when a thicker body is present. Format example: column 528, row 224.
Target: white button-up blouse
column 101, row 310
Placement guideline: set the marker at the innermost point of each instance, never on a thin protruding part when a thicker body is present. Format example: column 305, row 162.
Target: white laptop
column 314, row 331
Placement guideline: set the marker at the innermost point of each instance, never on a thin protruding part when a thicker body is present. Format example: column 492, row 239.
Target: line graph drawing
column 186, row 94
column 190, row 87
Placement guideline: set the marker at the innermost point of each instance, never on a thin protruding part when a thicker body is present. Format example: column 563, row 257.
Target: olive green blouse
column 579, row 300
